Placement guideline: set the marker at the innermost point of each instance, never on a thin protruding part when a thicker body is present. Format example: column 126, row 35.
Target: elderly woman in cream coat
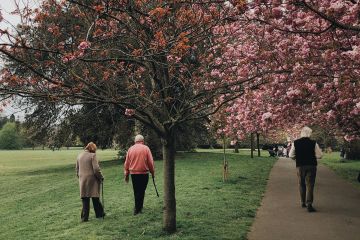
column 90, row 177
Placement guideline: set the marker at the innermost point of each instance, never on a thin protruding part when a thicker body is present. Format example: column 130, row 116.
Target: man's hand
column 127, row 178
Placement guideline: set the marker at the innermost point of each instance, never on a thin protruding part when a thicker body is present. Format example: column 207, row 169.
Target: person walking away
column 276, row 150
column 306, row 152
column 285, row 151
column 90, row 177
column 139, row 162
column 288, row 147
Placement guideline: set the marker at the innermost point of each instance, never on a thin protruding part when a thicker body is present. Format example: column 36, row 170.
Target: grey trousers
column 306, row 178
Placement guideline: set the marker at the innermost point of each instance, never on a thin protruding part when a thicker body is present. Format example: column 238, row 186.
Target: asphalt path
column 281, row 217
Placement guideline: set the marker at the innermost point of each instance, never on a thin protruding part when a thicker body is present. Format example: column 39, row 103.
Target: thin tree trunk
column 225, row 164
column 258, row 143
column 252, row 145
column 169, row 215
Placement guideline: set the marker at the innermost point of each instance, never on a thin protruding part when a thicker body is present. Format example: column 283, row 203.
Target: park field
column 40, row 197
column 347, row 169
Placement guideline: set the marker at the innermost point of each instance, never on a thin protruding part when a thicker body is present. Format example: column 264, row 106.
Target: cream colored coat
column 89, row 174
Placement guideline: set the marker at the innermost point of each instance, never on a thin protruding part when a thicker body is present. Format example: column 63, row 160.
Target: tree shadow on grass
column 64, row 168
column 236, row 180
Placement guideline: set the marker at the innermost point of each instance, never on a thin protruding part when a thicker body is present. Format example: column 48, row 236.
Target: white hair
column 139, row 138
column 305, row 132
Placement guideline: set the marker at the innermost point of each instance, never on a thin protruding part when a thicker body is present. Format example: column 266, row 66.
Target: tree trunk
column 169, row 215
column 252, row 145
column 258, row 143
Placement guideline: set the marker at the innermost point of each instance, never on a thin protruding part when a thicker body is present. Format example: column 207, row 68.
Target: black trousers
column 139, row 182
column 99, row 210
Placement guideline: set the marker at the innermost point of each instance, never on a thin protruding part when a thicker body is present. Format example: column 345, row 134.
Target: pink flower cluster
column 84, row 45
column 129, row 112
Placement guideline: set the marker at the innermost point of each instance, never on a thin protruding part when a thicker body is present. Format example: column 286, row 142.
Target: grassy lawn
column 40, row 197
column 348, row 169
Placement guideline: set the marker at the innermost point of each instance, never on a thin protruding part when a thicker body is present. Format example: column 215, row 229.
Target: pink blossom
column 349, row 138
column 84, row 45
column 228, row 4
column 218, row 61
column 266, row 116
column 331, row 114
column 277, row 12
column 68, row 58
column 169, row 58
column 215, row 73
column 129, row 112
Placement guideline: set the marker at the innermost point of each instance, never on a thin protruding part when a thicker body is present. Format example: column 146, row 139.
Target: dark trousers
column 99, row 210
column 306, row 178
column 139, row 182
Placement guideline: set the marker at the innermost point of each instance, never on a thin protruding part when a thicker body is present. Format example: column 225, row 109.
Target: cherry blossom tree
column 155, row 60
column 312, row 50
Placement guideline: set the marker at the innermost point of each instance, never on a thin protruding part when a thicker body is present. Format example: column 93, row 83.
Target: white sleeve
column 318, row 152
column 292, row 151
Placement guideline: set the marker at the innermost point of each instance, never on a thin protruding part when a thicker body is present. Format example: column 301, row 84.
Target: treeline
column 52, row 126
column 11, row 135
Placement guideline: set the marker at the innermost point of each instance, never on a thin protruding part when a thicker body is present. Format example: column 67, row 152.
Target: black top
column 305, row 152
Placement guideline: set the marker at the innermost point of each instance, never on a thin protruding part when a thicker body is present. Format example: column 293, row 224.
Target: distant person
column 276, row 150
column 306, row 152
column 139, row 162
column 271, row 152
column 342, row 152
column 284, row 152
column 90, row 178
column 288, row 147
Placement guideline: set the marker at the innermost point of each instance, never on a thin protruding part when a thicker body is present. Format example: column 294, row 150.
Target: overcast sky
column 8, row 6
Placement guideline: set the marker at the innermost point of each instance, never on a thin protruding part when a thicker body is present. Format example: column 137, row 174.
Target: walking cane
column 157, row 193
column 102, row 196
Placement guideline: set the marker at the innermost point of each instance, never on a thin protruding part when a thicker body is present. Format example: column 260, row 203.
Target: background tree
column 3, row 120
column 151, row 59
column 311, row 48
column 10, row 137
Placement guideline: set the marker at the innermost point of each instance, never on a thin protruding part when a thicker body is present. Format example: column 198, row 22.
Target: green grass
column 348, row 169
column 40, row 197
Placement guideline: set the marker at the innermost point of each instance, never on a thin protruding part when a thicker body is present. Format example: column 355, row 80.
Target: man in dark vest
column 306, row 152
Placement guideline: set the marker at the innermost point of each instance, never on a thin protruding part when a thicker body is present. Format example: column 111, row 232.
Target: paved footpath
column 280, row 216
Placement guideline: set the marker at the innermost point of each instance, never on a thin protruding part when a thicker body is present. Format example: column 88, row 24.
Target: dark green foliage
column 40, row 124
column 3, row 120
column 353, row 150
column 10, row 137
column 325, row 138
column 104, row 125
column 191, row 134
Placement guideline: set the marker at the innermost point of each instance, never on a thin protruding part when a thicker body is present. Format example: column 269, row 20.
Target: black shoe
column 101, row 216
column 310, row 208
column 84, row 220
column 303, row 205
column 136, row 212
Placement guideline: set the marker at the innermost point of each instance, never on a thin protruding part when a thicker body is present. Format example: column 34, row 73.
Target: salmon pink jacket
column 139, row 160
